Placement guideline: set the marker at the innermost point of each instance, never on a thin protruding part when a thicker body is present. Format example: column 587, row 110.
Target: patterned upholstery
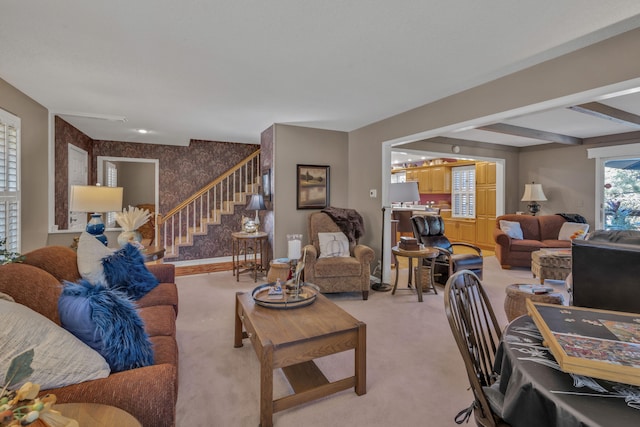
column 337, row 274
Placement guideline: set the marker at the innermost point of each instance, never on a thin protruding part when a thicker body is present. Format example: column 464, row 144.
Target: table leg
column 419, row 280
column 433, row 277
column 235, row 258
column 361, row 360
column 266, row 386
column 395, row 283
column 237, row 338
column 410, row 273
column 257, row 245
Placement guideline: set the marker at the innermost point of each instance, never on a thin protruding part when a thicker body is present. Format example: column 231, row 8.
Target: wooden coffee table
column 290, row 339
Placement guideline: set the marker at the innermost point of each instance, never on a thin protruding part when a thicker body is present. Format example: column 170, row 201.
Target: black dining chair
column 477, row 335
column 429, row 230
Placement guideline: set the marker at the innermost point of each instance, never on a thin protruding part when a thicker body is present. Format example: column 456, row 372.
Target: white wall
column 34, row 123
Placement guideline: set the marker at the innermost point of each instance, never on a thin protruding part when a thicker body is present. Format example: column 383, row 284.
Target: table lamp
column 256, row 203
column 403, row 192
column 533, row 193
column 95, row 200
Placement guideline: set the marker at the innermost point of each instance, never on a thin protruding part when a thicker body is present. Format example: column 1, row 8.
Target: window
column 618, row 186
column 111, row 178
column 463, row 192
column 9, row 180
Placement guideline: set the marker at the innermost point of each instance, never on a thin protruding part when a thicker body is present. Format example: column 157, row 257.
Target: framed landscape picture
column 312, row 186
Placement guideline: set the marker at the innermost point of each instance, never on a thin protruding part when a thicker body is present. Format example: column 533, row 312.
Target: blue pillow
column 107, row 321
column 124, row 270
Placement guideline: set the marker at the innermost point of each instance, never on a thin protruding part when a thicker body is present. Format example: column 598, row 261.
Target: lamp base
column 381, row 287
column 534, row 208
column 95, row 227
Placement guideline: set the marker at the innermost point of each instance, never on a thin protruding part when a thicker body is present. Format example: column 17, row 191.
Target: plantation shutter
column 111, row 181
column 9, row 181
column 463, row 192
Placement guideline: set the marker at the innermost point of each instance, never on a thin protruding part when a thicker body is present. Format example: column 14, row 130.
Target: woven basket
column 515, row 301
column 426, row 278
column 278, row 270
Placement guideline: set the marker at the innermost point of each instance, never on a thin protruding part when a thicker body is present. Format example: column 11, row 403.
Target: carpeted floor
column 415, row 375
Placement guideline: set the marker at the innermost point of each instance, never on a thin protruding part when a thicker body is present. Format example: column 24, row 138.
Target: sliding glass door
column 621, row 201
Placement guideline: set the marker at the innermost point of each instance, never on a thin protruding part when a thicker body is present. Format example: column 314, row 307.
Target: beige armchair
column 336, row 274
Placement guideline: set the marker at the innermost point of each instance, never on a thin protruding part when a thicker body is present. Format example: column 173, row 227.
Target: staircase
column 197, row 214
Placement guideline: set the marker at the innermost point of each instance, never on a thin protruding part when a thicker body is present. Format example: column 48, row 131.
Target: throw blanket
column 349, row 221
column 573, row 218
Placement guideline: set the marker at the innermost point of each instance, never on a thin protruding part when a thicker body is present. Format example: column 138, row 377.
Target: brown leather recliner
column 429, row 230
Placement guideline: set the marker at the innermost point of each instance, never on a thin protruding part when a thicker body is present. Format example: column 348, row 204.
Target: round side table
column 97, row 415
column 420, row 254
column 515, row 304
column 242, row 243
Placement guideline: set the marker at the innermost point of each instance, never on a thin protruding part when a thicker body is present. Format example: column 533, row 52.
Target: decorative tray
column 288, row 299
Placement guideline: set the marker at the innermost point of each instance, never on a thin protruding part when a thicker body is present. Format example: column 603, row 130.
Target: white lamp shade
column 90, row 198
column 533, row 193
column 404, row 192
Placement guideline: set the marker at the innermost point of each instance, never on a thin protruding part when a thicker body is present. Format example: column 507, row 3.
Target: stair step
column 223, row 207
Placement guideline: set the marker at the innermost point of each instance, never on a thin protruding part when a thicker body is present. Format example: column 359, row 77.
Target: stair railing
column 194, row 214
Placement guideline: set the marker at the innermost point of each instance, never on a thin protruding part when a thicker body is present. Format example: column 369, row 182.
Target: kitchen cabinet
column 485, row 203
column 434, row 179
column 460, row 230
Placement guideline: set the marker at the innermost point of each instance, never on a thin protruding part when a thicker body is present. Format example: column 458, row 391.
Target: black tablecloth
column 537, row 393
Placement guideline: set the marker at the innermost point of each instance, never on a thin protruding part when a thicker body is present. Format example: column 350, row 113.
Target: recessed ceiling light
column 143, row 131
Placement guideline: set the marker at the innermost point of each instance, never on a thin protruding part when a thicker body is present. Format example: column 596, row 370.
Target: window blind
column 463, row 192
column 9, row 180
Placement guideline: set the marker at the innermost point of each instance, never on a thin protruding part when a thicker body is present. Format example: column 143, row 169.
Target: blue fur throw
column 107, row 321
column 125, row 271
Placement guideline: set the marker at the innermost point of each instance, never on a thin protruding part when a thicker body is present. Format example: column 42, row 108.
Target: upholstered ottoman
column 548, row 264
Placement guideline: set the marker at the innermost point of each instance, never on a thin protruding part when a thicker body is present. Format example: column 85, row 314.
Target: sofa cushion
column 512, row 228
column 124, row 270
column 333, row 245
column 107, row 321
column 338, row 267
column 550, row 226
column 158, row 320
column 59, row 358
column 59, row 261
column 91, row 251
column 573, row 230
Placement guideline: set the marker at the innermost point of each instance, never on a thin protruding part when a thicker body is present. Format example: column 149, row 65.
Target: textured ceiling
column 226, row 70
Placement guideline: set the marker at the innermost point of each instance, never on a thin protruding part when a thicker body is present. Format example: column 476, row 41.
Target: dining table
column 537, row 393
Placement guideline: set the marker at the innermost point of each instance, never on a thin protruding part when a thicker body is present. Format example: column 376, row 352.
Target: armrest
column 147, row 393
column 363, row 253
column 501, row 238
column 165, row 273
column 468, row 245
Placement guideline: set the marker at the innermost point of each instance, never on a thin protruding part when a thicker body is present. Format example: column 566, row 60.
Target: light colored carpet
column 415, row 375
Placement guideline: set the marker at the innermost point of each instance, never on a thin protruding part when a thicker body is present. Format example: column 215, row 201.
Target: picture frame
column 266, row 184
column 312, row 186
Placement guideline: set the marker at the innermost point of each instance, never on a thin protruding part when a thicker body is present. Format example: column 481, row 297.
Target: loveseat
column 148, row 393
column 538, row 232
